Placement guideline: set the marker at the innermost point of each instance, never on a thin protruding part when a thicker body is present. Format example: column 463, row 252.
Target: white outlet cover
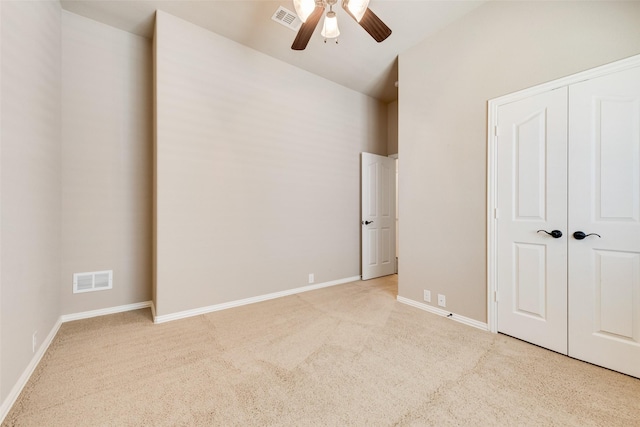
column 311, row 278
column 442, row 300
column 427, row 296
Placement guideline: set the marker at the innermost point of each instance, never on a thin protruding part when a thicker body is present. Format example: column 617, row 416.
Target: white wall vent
column 92, row 281
column 287, row 18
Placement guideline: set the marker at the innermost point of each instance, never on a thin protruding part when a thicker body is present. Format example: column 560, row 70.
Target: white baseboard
column 104, row 311
column 444, row 313
column 246, row 301
column 24, row 378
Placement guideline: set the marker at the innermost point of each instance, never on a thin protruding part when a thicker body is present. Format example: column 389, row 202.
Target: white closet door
column 531, row 194
column 604, row 198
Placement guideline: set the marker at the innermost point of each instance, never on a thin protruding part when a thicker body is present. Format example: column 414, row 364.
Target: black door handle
column 367, row 222
column 579, row 235
column 556, row 234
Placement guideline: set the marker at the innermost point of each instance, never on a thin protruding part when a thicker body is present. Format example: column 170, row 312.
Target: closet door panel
column 532, row 170
column 604, row 199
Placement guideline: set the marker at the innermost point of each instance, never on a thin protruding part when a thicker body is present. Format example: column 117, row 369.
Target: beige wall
column 445, row 83
column 30, row 181
column 106, row 162
column 257, row 171
column 392, row 128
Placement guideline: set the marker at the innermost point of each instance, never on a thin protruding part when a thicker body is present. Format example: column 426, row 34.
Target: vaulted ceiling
column 357, row 61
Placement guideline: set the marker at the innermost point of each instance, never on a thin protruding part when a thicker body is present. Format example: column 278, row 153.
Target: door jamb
column 492, row 140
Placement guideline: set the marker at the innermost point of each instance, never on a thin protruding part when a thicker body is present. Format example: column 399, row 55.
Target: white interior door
column 604, row 198
column 531, row 196
column 378, row 197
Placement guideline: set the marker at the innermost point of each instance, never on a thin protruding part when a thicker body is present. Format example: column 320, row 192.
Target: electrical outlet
column 442, row 300
column 34, row 341
column 311, row 278
column 427, row 295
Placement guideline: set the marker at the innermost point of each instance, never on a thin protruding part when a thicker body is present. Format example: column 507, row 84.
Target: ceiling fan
column 310, row 12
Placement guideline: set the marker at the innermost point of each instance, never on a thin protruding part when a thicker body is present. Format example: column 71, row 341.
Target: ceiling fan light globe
column 357, row 8
column 330, row 28
column 304, row 8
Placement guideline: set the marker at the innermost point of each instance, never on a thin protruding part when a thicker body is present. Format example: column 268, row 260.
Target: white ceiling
column 357, row 62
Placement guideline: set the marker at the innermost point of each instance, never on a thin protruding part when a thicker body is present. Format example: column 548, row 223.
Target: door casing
column 492, row 126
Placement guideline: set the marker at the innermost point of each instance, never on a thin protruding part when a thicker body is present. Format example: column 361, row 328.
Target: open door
column 378, row 197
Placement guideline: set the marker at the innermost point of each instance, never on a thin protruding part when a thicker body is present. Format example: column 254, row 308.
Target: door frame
column 492, row 134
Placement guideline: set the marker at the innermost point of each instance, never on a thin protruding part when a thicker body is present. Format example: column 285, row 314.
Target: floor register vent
column 92, row 281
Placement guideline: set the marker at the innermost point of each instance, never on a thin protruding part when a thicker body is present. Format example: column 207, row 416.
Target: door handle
column 367, row 222
column 556, row 234
column 579, row 235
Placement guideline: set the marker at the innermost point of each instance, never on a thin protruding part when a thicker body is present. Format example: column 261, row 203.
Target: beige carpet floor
column 348, row 355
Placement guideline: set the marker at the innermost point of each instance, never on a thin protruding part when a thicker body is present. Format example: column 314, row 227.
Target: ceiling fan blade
column 370, row 22
column 307, row 28
column 374, row 26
